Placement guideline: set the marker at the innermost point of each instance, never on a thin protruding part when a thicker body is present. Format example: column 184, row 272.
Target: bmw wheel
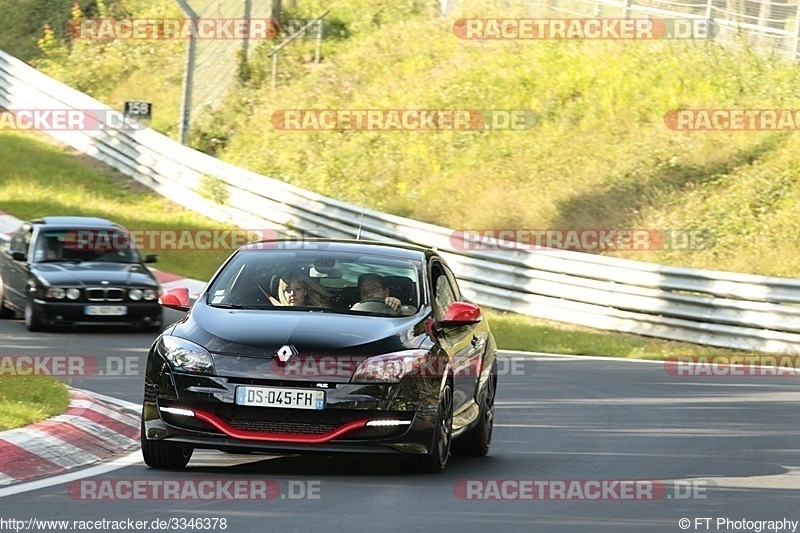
column 32, row 321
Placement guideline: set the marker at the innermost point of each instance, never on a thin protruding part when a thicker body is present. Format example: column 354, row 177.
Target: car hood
column 328, row 346
column 94, row 273
column 261, row 333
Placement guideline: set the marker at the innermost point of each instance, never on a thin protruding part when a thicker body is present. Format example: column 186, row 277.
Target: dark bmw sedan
column 58, row 272
column 323, row 346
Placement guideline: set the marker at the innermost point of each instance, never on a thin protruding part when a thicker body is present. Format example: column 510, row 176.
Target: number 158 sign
column 138, row 109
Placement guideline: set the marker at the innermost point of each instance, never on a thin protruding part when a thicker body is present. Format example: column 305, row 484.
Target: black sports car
column 323, row 346
column 57, row 272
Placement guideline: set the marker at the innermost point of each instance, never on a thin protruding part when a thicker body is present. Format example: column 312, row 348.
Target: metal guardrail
column 769, row 25
column 705, row 307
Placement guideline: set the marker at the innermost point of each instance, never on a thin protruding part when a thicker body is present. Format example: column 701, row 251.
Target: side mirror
column 176, row 298
column 18, row 256
column 150, row 258
column 461, row 314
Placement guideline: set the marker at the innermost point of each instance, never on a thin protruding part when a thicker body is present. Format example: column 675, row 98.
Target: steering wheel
column 374, row 305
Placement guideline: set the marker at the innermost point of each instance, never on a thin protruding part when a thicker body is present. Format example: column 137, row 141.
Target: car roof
column 74, row 221
column 404, row 251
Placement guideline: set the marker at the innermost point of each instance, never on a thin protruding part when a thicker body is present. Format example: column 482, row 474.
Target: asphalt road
column 696, row 448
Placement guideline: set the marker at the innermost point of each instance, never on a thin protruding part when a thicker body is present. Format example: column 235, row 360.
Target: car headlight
column 150, row 294
column 393, row 367
column 185, row 355
column 135, row 294
column 73, row 293
column 56, row 292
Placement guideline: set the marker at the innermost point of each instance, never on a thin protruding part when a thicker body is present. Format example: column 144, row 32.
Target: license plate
column 280, row 397
column 105, row 310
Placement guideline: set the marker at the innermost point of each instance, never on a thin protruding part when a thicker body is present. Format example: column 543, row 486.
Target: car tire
column 436, row 461
column 160, row 456
column 32, row 320
column 5, row 311
column 476, row 442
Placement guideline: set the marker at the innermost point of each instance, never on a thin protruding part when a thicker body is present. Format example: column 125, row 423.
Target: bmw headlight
column 135, row 294
column 149, row 294
column 73, row 293
column 56, row 292
column 185, row 355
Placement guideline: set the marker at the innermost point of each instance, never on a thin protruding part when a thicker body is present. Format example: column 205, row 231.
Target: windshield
column 338, row 282
column 65, row 245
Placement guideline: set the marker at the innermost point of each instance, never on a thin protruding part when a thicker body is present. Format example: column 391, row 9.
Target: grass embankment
column 27, row 399
column 42, row 179
column 600, row 155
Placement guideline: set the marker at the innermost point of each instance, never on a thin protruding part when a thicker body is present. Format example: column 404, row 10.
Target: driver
column 371, row 286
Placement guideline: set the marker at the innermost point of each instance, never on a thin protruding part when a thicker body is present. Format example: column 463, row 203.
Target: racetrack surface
column 736, row 440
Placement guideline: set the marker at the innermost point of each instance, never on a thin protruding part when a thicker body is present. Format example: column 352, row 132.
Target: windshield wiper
column 234, row 306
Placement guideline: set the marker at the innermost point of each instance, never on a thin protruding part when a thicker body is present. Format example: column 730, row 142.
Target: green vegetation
column 519, row 332
column 40, row 179
column 27, row 399
column 600, row 155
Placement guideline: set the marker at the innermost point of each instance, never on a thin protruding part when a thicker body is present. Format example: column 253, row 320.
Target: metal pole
column 294, row 36
column 188, row 75
column 274, row 70
column 246, row 40
column 318, row 52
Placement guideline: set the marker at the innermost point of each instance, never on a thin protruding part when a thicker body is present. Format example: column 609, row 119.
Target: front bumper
column 60, row 313
column 342, row 426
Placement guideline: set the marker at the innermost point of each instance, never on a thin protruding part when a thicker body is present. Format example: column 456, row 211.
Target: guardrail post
column 628, row 4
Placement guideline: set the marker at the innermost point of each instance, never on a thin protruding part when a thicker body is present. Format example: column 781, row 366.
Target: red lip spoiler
column 279, row 437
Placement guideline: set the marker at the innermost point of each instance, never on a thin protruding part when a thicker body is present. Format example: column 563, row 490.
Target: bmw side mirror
column 151, row 258
column 18, row 256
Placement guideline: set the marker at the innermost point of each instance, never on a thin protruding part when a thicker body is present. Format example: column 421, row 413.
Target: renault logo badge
column 284, row 353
